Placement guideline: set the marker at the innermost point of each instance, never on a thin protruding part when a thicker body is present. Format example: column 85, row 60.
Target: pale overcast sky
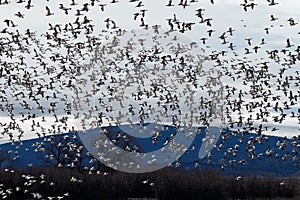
column 224, row 14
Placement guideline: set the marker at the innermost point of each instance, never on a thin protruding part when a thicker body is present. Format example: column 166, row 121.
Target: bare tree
column 4, row 156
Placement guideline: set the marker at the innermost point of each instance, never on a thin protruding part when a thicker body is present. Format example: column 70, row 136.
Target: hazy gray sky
column 224, row 14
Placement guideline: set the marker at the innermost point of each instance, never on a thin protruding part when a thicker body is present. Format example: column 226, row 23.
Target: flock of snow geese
column 89, row 73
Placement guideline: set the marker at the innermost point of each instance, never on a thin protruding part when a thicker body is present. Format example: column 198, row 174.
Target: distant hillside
column 295, row 175
column 240, row 153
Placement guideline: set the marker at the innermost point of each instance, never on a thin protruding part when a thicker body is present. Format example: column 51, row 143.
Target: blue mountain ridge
column 229, row 159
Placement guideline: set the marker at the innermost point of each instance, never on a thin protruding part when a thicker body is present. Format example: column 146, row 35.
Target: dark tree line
column 168, row 183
